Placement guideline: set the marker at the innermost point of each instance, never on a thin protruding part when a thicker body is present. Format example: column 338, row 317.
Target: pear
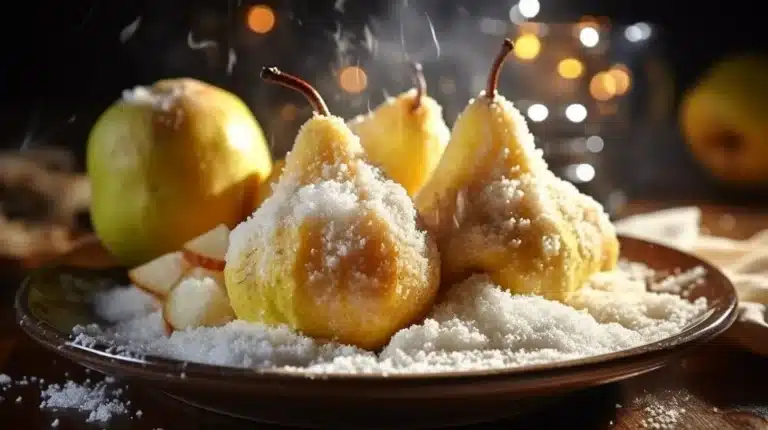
column 265, row 188
column 498, row 209
column 169, row 162
column 337, row 251
column 724, row 119
column 405, row 136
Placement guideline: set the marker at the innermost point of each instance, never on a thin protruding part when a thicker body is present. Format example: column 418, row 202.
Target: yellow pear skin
column 337, row 251
column 265, row 188
column 498, row 209
column 724, row 119
column 405, row 136
column 169, row 162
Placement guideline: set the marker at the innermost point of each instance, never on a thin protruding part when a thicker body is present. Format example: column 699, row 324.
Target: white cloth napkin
column 745, row 262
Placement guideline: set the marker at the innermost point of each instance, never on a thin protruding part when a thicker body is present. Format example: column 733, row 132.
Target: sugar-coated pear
column 405, row 136
column 498, row 209
column 265, row 188
column 337, row 251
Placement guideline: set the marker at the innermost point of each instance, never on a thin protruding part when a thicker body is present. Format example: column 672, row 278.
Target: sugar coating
column 476, row 326
column 346, row 194
column 160, row 100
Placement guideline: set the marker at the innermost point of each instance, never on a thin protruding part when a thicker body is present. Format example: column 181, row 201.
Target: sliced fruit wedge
column 197, row 302
column 160, row 275
column 202, row 273
column 209, row 249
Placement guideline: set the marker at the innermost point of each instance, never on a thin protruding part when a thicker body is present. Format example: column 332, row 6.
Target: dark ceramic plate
column 52, row 300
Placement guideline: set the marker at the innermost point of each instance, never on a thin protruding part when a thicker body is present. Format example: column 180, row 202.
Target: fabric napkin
column 745, row 262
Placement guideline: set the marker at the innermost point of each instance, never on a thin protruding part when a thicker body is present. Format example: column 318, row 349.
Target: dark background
column 63, row 60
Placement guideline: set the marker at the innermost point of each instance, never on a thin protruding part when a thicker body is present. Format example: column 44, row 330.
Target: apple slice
column 160, row 275
column 202, row 273
column 197, row 302
column 209, row 249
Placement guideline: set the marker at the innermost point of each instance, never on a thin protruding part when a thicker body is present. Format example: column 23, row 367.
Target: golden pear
column 498, row 209
column 724, row 120
column 405, row 136
column 265, row 188
column 336, row 252
column 169, row 162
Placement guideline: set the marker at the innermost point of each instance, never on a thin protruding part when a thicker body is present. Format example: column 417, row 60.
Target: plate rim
column 714, row 322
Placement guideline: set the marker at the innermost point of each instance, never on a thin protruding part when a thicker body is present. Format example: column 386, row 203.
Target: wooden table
column 716, row 387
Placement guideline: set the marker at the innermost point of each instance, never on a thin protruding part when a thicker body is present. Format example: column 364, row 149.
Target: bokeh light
column 620, row 74
column 515, row 16
column 261, row 19
column 529, row 8
column 589, row 37
column 576, row 112
column 288, row 112
column 538, row 112
column 353, row 79
column 595, row 144
column 570, row 68
column 581, row 172
column 602, row 86
column 638, row 32
column 527, row 46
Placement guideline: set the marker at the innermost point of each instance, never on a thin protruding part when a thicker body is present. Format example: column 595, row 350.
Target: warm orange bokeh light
column 261, row 19
column 527, row 47
column 602, row 86
column 353, row 79
column 570, row 68
column 620, row 75
column 288, row 112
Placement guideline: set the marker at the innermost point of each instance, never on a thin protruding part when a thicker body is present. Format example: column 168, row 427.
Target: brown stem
column 421, row 84
column 493, row 76
column 275, row 76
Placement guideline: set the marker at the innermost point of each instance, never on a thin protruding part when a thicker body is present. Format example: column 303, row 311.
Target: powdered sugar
column 98, row 399
column 343, row 203
column 476, row 326
column 161, row 100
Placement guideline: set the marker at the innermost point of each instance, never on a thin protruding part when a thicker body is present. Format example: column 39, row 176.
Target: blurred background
column 602, row 82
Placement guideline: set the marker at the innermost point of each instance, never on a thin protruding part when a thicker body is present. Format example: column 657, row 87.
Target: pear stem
column 421, row 84
column 493, row 76
column 276, row 76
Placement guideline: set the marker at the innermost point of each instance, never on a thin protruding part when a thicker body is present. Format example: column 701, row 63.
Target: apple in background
column 197, row 302
column 160, row 275
column 209, row 249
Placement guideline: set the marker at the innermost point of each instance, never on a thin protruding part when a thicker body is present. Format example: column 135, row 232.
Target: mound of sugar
column 476, row 326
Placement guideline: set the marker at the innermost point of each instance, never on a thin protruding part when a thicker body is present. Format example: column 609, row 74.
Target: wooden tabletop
column 716, row 387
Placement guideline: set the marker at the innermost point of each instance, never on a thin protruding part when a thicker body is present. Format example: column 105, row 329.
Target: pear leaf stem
column 421, row 84
column 493, row 76
column 276, row 76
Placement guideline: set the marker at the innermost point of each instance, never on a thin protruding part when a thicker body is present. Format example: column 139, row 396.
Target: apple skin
column 209, row 249
column 160, row 275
